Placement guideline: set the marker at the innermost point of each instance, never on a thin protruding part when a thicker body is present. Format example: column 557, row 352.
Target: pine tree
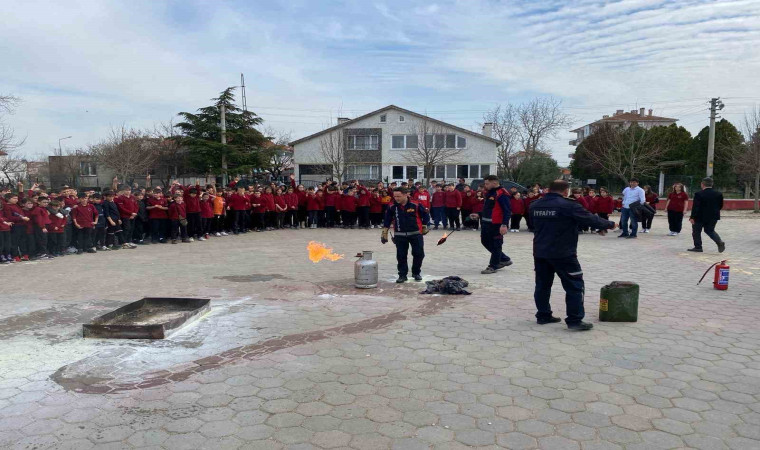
column 202, row 133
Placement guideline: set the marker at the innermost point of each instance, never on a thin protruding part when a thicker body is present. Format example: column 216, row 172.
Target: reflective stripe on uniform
column 575, row 273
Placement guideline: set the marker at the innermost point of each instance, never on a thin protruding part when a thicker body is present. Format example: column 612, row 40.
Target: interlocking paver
column 395, row 370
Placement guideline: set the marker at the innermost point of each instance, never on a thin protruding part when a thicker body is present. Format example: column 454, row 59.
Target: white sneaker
column 218, row 234
column 225, row 234
column 191, row 240
column 517, row 231
column 201, row 238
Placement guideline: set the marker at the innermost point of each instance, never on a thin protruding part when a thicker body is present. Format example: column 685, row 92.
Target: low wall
column 728, row 204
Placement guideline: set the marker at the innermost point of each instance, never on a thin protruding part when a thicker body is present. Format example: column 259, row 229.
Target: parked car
column 506, row 183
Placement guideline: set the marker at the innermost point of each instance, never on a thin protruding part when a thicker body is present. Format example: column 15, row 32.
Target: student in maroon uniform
column 291, row 216
column 468, row 196
column 84, row 217
column 453, row 201
column 477, row 207
column 41, row 218
column 348, row 208
column 267, row 197
column 207, row 215
column 589, row 196
column 27, row 242
column 281, row 208
column 331, row 206
column 5, row 234
column 652, row 199
column 55, row 228
column 676, row 206
column 193, row 210
column 258, row 212
column 178, row 218
column 375, row 210
column 158, row 216
column 438, row 207
column 15, row 214
column 238, row 203
column 577, row 195
column 518, row 211
column 604, row 204
column 531, row 197
column 128, row 210
column 362, row 207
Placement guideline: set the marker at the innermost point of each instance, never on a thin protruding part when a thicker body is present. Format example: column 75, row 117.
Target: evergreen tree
column 202, row 133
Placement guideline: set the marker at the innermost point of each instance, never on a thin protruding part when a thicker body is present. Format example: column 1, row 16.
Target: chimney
column 488, row 129
column 642, row 112
column 650, row 113
column 633, row 111
column 605, row 116
column 343, row 120
column 618, row 112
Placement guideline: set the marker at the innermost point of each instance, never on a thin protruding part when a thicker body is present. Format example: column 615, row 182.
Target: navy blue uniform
column 407, row 225
column 496, row 212
column 555, row 242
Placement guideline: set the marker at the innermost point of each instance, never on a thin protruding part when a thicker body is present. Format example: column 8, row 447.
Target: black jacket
column 707, row 205
column 406, row 219
column 555, row 220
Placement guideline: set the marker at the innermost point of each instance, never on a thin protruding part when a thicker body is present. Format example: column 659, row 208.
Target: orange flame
column 445, row 235
column 318, row 252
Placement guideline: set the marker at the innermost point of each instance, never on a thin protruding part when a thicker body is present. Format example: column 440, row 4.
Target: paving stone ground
column 292, row 356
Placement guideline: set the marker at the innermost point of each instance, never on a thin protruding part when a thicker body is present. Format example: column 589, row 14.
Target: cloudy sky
column 82, row 67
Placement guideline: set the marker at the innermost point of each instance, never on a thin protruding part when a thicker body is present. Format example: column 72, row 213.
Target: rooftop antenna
column 242, row 85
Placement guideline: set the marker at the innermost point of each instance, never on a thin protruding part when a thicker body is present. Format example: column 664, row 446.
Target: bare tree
column 539, row 120
column 506, row 130
column 625, row 153
column 746, row 159
column 431, row 145
column 128, row 152
column 332, row 152
column 277, row 155
column 172, row 159
column 12, row 163
column 65, row 166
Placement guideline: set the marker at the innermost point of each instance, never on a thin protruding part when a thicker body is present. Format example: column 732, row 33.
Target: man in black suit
column 705, row 214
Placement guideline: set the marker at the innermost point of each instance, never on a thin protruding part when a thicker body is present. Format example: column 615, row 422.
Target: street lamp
column 60, row 153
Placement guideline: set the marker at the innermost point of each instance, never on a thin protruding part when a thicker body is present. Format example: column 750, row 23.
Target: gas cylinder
column 365, row 271
column 721, row 276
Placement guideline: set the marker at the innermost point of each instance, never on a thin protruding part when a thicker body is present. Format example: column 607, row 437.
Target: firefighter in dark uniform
column 409, row 225
column 555, row 242
column 495, row 223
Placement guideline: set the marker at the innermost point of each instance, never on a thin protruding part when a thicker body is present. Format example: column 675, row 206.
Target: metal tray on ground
column 149, row 318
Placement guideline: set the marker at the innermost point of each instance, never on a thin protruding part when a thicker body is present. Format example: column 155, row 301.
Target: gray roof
column 405, row 111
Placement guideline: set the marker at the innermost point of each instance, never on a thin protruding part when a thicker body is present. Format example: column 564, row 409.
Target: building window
column 461, row 142
column 451, row 171
column 401, row 119
column 398, row 172
column 363, row 172
column 451, row 141
column 411, row 141
column 383, row 118
column 87, row 169
column 474, row 171
column 440, row 140
column 363, row 142
column 463, row 171
column 485, row 170
column 440, row 172
column 411, row 172
column 398, row 142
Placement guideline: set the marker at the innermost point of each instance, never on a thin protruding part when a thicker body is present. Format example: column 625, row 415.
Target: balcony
column 363, row 146
column 574, row 142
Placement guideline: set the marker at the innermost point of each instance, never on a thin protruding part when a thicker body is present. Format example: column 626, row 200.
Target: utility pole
column 224, row 142
column 715, row 105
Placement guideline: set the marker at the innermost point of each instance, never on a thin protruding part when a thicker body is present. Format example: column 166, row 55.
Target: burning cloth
column 449, row 286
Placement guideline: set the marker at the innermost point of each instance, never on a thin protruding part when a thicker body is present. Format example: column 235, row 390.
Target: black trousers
column 675, row 221
column 84, row 238
column 402, row 249
column 493, row 241
column 646, row 222
column 218, row 224
column 709, row 229
column 240, row 219
column 18, row 240
column 140, row 230
column 302, row 213
column 127, row 228
column 100, row 236
column 349, row 218
column 465, row 217
column 40, row 241
column 571, row 275
column 158, row 230
column 69, row 235
column 55, row 243
column 178, row 230
column 376, row 219
column 363, row 213
column 194, row 224
column 330, row 219
column 515, row 221
column 206, row 225
column 5, row 243
column 114, row 236
column 453, row 215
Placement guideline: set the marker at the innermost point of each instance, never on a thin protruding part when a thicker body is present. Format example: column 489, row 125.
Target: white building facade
column 379, row 146
column 622, row 119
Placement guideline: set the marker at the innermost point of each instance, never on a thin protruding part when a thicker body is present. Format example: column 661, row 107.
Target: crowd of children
column 36, row 224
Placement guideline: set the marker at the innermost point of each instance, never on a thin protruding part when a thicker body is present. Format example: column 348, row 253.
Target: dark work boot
column 418, row 277
column 581, row 326
column 551, row 319
column 401, row 279
column 721, row 247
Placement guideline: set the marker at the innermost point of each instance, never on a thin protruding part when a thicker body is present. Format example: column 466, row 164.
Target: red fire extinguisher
column 720, row 282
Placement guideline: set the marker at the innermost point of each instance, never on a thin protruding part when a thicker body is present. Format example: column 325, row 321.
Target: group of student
column 41, row 224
